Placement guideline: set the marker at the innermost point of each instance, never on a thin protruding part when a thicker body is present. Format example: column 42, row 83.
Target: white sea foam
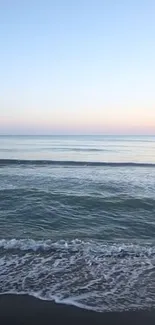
column 93, row 275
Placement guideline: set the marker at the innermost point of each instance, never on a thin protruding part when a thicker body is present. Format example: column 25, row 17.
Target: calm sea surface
column 77, row 219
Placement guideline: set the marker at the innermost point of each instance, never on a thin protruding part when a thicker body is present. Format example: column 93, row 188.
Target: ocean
column 77, row 220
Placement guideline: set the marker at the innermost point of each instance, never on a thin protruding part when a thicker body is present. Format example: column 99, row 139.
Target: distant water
column 77, row 219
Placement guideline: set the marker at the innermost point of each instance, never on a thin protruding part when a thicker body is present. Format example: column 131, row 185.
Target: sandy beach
column 25, row 310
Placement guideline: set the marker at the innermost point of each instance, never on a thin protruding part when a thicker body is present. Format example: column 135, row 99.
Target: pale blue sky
column 77, row 66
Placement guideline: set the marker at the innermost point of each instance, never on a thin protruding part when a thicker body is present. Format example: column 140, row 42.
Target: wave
column 108, row 250
column 76, row 149
column 18, row 162
column 46, row 245
column 73, row 149
column 94, row 275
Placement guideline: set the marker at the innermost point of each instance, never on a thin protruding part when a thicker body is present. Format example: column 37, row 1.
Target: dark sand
column 25, row 310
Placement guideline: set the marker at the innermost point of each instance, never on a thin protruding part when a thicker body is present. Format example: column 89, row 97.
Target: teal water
column 77, row 219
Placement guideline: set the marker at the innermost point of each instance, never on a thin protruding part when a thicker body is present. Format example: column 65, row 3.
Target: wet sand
column 25, row 310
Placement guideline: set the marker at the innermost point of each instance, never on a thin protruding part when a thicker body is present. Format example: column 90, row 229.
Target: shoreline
column 28, row 310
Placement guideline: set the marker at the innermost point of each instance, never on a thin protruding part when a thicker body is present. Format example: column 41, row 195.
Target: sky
column 77, row 67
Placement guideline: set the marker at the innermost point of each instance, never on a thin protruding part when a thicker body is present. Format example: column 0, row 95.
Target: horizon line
column 59, row 135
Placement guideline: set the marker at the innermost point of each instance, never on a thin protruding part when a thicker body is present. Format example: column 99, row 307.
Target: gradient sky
column 77, row 66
